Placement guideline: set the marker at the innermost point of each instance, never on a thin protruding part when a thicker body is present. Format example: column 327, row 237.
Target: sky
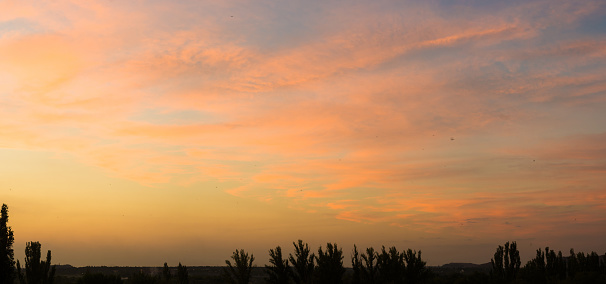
column 143, row 132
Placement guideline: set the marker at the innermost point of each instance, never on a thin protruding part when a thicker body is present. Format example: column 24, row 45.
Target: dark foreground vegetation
column 304, row 266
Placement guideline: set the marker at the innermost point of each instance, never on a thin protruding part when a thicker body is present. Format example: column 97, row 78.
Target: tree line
column 547, row 267
column 303, row 266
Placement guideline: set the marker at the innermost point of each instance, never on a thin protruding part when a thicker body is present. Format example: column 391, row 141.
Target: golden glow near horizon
column 144, row 132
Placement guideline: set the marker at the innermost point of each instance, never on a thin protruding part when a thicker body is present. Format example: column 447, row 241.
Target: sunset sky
column 144, row 132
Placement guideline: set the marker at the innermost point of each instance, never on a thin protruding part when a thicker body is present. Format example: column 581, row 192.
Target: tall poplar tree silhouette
column 506, row 263
column 7, row 255
column 37, row 271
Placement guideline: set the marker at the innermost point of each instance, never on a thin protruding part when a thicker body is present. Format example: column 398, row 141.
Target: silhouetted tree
column 506, row 263
column 365, row 269
column 588, row 268
column 592, row 262
column 240, row 273
column 535, row 268
column 36, row 271
column 303, row 263
column 582, row 262
column 391, row 266
column 356, row 265
column 166, row 275
column 182, row 275
column 99, row 278
column 415, row 271
column 549, row 267
column 7, row 255
column 330, row 264
column 573, row 265
column 369, row 268
column 279, row 270
column 555, row 265
column 585, row 268
column 498, row 272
